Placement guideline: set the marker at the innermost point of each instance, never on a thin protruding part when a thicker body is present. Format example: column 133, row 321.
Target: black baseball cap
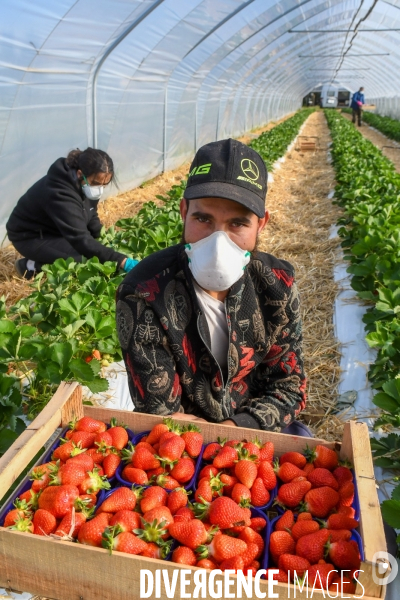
column 229, row 169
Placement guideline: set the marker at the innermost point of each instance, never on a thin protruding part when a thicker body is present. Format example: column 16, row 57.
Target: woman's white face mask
column 216, row 262
column 93, row 192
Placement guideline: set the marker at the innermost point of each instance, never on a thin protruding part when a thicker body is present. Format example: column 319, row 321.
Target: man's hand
column 229, row 422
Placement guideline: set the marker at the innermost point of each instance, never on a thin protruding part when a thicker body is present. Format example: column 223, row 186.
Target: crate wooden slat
column 65, row 571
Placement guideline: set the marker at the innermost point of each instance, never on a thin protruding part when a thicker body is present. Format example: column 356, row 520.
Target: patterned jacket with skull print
column 166, row 343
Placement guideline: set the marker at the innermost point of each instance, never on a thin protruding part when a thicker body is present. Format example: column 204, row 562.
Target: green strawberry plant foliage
column 386, row 125
column 368, row 191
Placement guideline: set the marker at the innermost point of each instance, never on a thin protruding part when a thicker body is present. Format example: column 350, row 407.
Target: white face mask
column 93, row 192
column 216, row 262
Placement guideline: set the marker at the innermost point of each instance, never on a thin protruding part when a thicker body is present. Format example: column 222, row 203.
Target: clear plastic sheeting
column 149, row 81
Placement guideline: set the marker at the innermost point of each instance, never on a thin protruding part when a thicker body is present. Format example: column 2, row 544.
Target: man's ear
column 79, row 174
column 183, row 208
column 262, row 222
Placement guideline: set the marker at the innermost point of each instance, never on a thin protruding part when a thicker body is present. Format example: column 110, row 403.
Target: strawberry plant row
column 65, row 329
column 368, row 190
column 386, row 125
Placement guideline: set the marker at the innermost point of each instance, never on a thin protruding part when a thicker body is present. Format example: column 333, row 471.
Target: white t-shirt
column 215, row 313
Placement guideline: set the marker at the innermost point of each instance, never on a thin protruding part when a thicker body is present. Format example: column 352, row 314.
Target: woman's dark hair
column 91, row 161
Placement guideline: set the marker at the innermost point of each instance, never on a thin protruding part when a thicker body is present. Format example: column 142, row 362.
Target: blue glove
column 129, row 264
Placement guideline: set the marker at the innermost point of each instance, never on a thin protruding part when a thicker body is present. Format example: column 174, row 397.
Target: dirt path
column 379, row 140
column 298, row 231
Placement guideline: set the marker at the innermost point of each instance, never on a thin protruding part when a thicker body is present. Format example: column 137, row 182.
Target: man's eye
column 237, row 224
column 202, row 219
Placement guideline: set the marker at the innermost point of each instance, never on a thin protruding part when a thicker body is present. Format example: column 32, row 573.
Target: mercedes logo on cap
column 250, row 169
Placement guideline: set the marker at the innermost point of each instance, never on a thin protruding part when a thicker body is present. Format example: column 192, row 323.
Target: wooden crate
column 66, row 570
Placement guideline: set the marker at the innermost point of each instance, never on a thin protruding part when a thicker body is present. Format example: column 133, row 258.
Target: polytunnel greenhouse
column 199, row 269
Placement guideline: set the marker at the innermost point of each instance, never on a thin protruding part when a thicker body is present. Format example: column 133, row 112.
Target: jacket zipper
column 224, row 388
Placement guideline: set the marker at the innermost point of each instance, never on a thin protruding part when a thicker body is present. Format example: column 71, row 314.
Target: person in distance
column 57, row 217
column 211, row 327
column 357, row 102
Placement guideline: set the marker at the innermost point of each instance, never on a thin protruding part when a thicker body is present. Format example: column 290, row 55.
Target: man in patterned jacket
column 211, row 327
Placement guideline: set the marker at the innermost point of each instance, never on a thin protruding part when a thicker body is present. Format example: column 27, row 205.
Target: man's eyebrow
column 240, row 220
column 204, row 215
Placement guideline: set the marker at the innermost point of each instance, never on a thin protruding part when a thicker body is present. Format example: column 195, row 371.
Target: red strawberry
column 229, row 482
column 83, row 459
column 222, row 547
column 111, row 464
column 91, row 532
column 287, row 471
column 211, row 451
column 246, row 471
column 266, row 451
column 152, row 474
column 203, row 492
column 208, row 471
column 153, row 497
column 134, row 475
column 267, row 474
column 258, row 523
column 341, row 522
column 83, row 438
column 321, row 576
column 346, row 494
column 312, row 546
column 96, row 455
column 191, row 534
column 119, row 435
column 177, row 499
column 252, row 450
column 93, row 482
column 323, row 457
column 248, row 535
column 235, row 563
column 295, row 458
column 301, row 528
column 225, row 458
column 23, row 524
column 144, row 459
column 103, row 438
column 89, row 501
column 44, row 522
column 31, row 498
column 320, row 501
column 349, row 511
column 128, row 542
column 59, row 499
column 155, row 524
column 167, row 482
column 308, row 468
column 241, row 495
column 322, row 477
column 290, row 563
column 40, row 476
column 225, row 513
column 304, row 516
column 71, row 473
column 339, row 534
column 193, row 440
column 183, row 514
column 157, row 432
column 88, row 424
column 250, row 554
column 259, row 493
column 20, row 512
column 171, row 449
column 342, row 585
column 66, row 451
column 184, row 556
column 282, row 576
column 285, row 522
column 342, row 475
column 281, row 542
column 128, row 520
column 206, row 563
column 183, row 471
column 344, row 555
column 153, row 550
column 121, row 499
column 291, row 494
column 70, row 525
